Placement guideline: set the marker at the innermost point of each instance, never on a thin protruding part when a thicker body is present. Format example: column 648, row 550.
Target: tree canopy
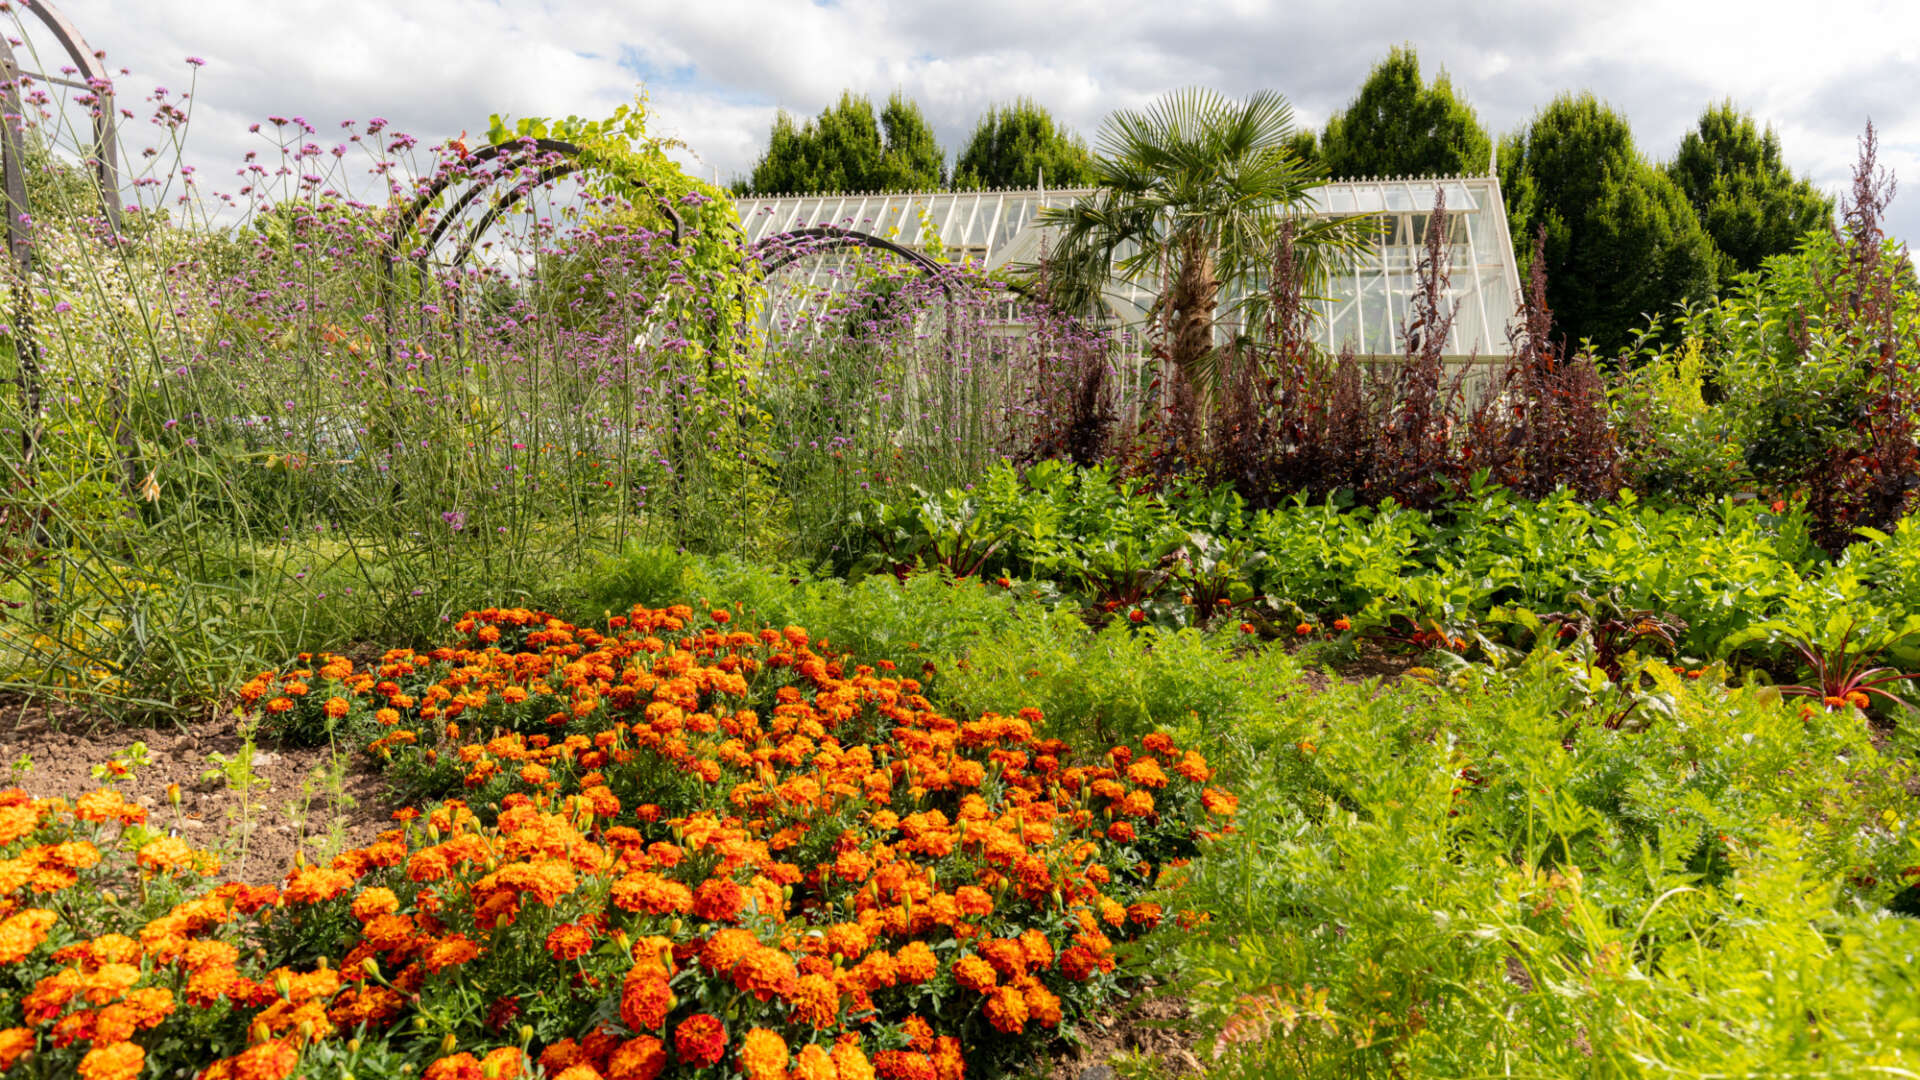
column 1747, row 199
column 1400, row 125
column 1622, row 241
column 1015, row 145
column 848, row 148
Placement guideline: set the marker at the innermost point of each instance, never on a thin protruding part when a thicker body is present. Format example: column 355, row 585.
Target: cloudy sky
column 716, row 70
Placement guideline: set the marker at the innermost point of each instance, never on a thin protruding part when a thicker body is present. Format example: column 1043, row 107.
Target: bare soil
column 301, row 800
column 1147, row 1025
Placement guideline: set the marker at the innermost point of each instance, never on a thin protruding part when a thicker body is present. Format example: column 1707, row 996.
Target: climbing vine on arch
column 706, row 312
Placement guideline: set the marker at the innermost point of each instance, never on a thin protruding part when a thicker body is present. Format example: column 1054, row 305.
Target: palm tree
column 1193, row 190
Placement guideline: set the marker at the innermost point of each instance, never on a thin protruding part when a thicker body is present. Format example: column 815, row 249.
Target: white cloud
column 718, row 69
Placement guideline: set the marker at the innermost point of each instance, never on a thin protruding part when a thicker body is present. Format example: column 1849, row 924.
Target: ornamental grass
column 675, row 848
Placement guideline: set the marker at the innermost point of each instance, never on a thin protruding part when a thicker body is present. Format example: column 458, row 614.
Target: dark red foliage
column 1291, row 420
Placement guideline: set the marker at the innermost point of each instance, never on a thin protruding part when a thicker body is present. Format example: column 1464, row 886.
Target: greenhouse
column 1362, row 307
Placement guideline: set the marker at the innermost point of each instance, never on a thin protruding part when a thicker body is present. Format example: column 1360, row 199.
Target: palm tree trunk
column 1194, row 298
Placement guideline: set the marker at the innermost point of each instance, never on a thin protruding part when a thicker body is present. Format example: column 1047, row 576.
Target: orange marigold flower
column 1007, row 1010
column 374, row 902
column 849, row 1061
column 450, row 952
column 503, row 1063
column 973, row 901
column 1078, row 963
column 1007, row 955
column 948, row 1062
column 274, row 1059
column 816, row 1001
column 701, row 1040
column 336, row 707
column 561, row 1056
column 766, row 973
column 974, row 973
column 22, row 932
column 1219, row 803
column 1194, row 767
column 640, row 1058
column 903, row 1065
column 1043, row 1006
column 651, row 894
column 719, row 900
column 15, row 1043
column 915, row 962
column 726, row 948
column 461, row 1066
column 813, row 1062
column 315, row 884
column 1147, row 773
column 919, row 1033
column 113, row 1061
column 569, row 941
column 762, row 1055
column 17, row 821
column 644, row 1000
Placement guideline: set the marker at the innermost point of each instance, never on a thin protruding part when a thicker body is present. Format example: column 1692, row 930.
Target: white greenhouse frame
column 1363, row 307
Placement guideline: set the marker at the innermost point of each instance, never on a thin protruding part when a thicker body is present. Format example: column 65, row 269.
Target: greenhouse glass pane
column 1486, row 241
column 1469, row 331
column 1499, row 301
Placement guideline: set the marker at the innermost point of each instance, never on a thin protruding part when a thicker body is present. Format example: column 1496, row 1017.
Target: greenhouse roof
column 1364, row 306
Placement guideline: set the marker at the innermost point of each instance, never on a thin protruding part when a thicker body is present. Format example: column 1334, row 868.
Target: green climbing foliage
column 709, row 297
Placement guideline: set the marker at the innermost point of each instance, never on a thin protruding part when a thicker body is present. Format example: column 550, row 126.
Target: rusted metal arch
column 104, row 163
column 561, row 159
column 782, row 249
column 13, row 178
column 532, row 150
column 93, row 80
column 480, row 187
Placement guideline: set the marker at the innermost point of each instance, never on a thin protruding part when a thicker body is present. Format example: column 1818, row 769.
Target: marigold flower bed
column 678, row 849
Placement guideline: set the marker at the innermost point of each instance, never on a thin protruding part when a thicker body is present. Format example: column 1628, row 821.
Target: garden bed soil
column 295, row 804
column 1146, row 1025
